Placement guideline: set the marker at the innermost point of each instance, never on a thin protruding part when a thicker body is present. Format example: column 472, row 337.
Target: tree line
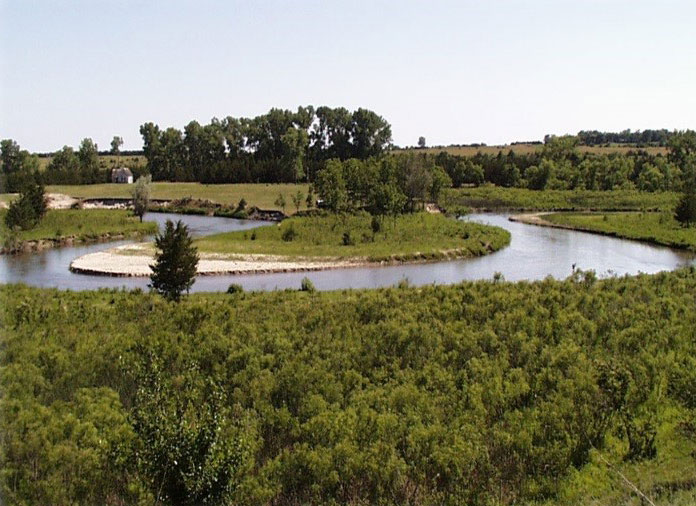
column 277, row 147
column 646, row 137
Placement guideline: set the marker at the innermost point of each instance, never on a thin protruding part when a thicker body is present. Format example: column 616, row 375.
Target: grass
column 524, row 149
column 82, row 224
column 659, row 228
column 409, row 237
column 106, row 161
column 497, row 198
column 259, row 195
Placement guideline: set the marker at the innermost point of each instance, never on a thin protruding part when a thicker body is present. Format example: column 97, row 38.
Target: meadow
column 81, row 225
column 419, row 236
column 498, row 198
column 259, row 195
column 478, row 393
column 657, row 228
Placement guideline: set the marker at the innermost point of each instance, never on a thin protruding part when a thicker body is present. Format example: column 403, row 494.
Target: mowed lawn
column 81, row 224
column 659, row 228
column 259, row 195
column 419, row 236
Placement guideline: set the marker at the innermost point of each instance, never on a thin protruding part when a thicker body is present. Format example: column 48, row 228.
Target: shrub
column 306, row 285
column 289, row 234
column 347, row 239
column 235, row 288
column 28, row 210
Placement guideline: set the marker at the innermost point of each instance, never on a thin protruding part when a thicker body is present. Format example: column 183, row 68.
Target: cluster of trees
column 645, row 137
column 280, row 146
column 477, row 393
column 388, row 185
column 560, row 165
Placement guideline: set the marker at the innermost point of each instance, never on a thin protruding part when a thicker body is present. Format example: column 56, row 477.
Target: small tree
column 297, row 200
column 26, row 212
column 176, row 261
column 280, row 202
column 685, row 212
column 421, row 142
column 310, row 199
column 141, row 196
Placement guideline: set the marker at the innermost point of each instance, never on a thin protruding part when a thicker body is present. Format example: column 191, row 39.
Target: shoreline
column 538, row 220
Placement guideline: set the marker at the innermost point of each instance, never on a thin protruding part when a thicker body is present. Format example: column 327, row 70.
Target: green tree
column 685, row 213
column 439, row 180
column 28, row 210
column 297, row 200
column 280, row 202
column 331, row 186
column 116, row 144
column 421, row 142
column 141, row 196
column 88, row 155
column 176, row 261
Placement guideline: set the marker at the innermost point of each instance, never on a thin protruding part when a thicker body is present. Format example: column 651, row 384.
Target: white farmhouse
column 121, row 175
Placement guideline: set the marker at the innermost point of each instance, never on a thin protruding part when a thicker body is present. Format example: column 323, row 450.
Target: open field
column 524, row 149
column 259, row 195
column 658, row 228
column 432, row 395
column 419, row 236
column 81, row 225
column 498, row 198
column 106, row 161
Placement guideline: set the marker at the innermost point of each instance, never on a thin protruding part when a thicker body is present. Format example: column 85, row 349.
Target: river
column 534, row 253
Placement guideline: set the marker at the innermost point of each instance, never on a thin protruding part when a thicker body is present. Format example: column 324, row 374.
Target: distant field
column 659, row 228
column 495, row 197
column 524, row 149
column 106, row 161
column 260, row 195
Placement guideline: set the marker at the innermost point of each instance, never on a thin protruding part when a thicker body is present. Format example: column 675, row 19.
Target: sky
column 455, row 72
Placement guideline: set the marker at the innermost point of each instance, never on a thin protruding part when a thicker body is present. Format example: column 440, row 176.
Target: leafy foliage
column 141, row 196
column 478, row 393
column 685, row 212
column 28, row 210
column 176, row 260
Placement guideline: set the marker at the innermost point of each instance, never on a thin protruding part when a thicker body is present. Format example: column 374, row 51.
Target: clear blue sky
column 452, row 71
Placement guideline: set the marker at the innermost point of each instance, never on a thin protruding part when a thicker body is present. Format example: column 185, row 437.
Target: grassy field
column 80, row 224
column 106, row 161
column 414, row 236
column 259, row 195
column 524, row 149
column 495, row 197
column 659, row 228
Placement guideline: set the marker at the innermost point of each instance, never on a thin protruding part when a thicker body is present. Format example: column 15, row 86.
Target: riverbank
column 654, row 228
column 68, row 227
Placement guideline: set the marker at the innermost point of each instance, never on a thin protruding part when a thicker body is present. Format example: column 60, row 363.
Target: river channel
column 534, row 253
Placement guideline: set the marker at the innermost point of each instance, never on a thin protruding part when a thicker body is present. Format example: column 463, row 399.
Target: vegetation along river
column 534, row 253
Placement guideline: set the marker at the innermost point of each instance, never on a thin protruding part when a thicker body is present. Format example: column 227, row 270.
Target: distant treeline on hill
column 645, row 137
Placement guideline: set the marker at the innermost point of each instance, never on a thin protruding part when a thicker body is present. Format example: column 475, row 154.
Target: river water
column 534, row 253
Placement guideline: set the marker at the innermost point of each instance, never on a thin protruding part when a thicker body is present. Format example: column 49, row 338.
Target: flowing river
column 534, row 253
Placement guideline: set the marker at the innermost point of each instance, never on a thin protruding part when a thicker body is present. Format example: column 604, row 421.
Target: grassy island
column 78, row 225
column 407, row 237
column 658, row 228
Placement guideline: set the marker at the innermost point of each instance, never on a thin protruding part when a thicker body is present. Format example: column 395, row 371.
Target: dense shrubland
column 478, row 393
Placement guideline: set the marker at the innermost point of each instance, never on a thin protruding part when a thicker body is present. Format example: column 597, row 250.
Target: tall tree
column 141, row 196
column 88, row 154
column 176, row 261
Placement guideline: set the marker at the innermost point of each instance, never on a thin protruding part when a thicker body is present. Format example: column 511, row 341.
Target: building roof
column 124, row 171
